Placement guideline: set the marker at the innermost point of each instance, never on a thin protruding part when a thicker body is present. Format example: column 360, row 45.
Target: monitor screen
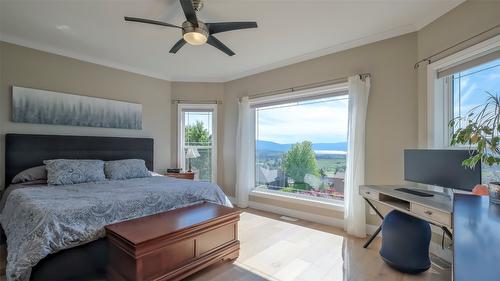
column 441, row 168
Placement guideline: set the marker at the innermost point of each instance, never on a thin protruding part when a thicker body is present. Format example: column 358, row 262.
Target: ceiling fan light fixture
column 195, row 35
column 195, row 38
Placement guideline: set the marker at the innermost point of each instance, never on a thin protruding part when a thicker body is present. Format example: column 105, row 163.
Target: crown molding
column 405, row 29
column 65, row 53
column 426, row 20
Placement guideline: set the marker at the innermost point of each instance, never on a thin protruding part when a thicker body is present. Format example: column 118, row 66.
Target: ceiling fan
column 196, row 32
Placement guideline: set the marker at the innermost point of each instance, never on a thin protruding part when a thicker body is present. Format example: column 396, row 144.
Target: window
column 301, row 146
column 470, row 88
column 458, row 83
column 449, row 89
column 197, row 140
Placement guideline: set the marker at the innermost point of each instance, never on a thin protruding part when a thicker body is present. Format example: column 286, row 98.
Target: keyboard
column 415, row 192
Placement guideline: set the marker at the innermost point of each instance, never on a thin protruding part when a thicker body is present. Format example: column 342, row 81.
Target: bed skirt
column 85, row 262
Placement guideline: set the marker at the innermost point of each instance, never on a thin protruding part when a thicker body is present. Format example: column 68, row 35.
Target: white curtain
column 245, row 140
column 355, row 219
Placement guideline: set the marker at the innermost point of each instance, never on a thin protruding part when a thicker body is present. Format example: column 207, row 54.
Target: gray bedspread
column 40, row 220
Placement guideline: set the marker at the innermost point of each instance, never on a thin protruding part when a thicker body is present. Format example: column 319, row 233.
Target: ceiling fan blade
column 151, row 22
column 219, row 45
column 177, row 46
column 188, row 8
column 217, row 27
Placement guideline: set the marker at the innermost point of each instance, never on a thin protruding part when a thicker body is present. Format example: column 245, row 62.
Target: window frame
column 181, row 158
column 440, row 91
column 338, row 89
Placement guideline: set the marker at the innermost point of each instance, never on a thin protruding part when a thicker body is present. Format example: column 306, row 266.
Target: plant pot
column 494, row 188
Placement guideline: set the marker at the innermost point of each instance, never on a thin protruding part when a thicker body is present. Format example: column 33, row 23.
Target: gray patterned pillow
column 31, row 174
column 126, row 169
column 68, row 171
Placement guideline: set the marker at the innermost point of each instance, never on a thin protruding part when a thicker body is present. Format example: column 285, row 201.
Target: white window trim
column 336, row 205
column 438, row 98
column 335, row 90
column 308, row 93
column 180, row 134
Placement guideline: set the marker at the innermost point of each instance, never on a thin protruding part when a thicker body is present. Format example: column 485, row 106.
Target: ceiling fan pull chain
column 198, row 5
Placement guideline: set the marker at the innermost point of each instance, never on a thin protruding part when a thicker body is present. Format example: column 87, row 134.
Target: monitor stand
column 415, row 192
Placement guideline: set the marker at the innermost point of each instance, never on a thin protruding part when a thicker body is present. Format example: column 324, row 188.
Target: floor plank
column 277, row 250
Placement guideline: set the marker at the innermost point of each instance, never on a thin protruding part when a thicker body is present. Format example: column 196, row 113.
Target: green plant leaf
column 482, row 131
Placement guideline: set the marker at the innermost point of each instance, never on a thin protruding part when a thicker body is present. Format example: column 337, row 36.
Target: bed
column 61, row 229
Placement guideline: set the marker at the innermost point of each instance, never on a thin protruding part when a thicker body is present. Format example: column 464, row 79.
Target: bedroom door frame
column 183, row 107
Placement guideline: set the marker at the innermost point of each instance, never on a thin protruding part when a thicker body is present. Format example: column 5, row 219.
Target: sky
column 470, row 86
column 319, row 121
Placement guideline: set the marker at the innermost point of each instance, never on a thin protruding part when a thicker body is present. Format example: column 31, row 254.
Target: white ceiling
column 289, row 31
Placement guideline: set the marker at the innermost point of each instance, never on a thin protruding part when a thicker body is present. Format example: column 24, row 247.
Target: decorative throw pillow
column 126, row 169
column 68, row 171
column 32, row 174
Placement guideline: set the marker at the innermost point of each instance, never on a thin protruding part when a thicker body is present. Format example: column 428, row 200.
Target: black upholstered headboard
column 26, row 151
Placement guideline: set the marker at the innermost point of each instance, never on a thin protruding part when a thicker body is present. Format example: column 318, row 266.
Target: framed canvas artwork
column 47, row 107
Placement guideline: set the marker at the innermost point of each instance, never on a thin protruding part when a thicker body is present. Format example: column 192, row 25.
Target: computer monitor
column 441, row 168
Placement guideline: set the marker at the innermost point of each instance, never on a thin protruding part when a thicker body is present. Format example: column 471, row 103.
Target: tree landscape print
column 301, row 148
column 46, row 107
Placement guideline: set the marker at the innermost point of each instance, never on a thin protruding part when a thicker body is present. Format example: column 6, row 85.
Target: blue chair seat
column 405, row 242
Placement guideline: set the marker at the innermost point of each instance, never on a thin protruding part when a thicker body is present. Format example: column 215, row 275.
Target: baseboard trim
column 445, row 254
column 371, row 228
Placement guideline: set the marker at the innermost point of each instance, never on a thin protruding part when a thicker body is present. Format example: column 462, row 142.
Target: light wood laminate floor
column 273, row 249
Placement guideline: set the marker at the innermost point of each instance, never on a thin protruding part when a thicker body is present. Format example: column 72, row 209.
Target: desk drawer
column 370, row 194
column 431, row 214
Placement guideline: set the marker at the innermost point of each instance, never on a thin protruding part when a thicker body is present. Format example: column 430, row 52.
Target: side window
column 470, row 89
column 197, row 140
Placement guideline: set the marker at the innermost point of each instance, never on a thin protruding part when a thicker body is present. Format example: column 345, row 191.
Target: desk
column 437, row 210
column 476, row 240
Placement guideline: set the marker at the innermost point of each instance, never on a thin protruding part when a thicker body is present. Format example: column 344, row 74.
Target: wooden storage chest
column 174, row 244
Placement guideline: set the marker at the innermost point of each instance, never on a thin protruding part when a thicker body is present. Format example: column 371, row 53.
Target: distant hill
column 278, row 147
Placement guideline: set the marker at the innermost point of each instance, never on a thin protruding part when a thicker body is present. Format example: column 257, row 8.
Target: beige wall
column 466, row 20
column 30, row 68
column 392, row 110
column 198, row 92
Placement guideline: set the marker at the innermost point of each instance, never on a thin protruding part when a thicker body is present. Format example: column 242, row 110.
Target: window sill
column 335, row 205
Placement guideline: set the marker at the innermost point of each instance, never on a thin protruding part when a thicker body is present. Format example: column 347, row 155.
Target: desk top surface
column 438, row 201
column 476, row 238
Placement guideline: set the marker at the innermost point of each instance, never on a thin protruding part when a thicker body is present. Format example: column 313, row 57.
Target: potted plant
column 480, row 131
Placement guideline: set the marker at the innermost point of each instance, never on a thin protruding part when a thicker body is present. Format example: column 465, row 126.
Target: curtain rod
column 429, row 58
column 363, row 76
column 197, row 101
